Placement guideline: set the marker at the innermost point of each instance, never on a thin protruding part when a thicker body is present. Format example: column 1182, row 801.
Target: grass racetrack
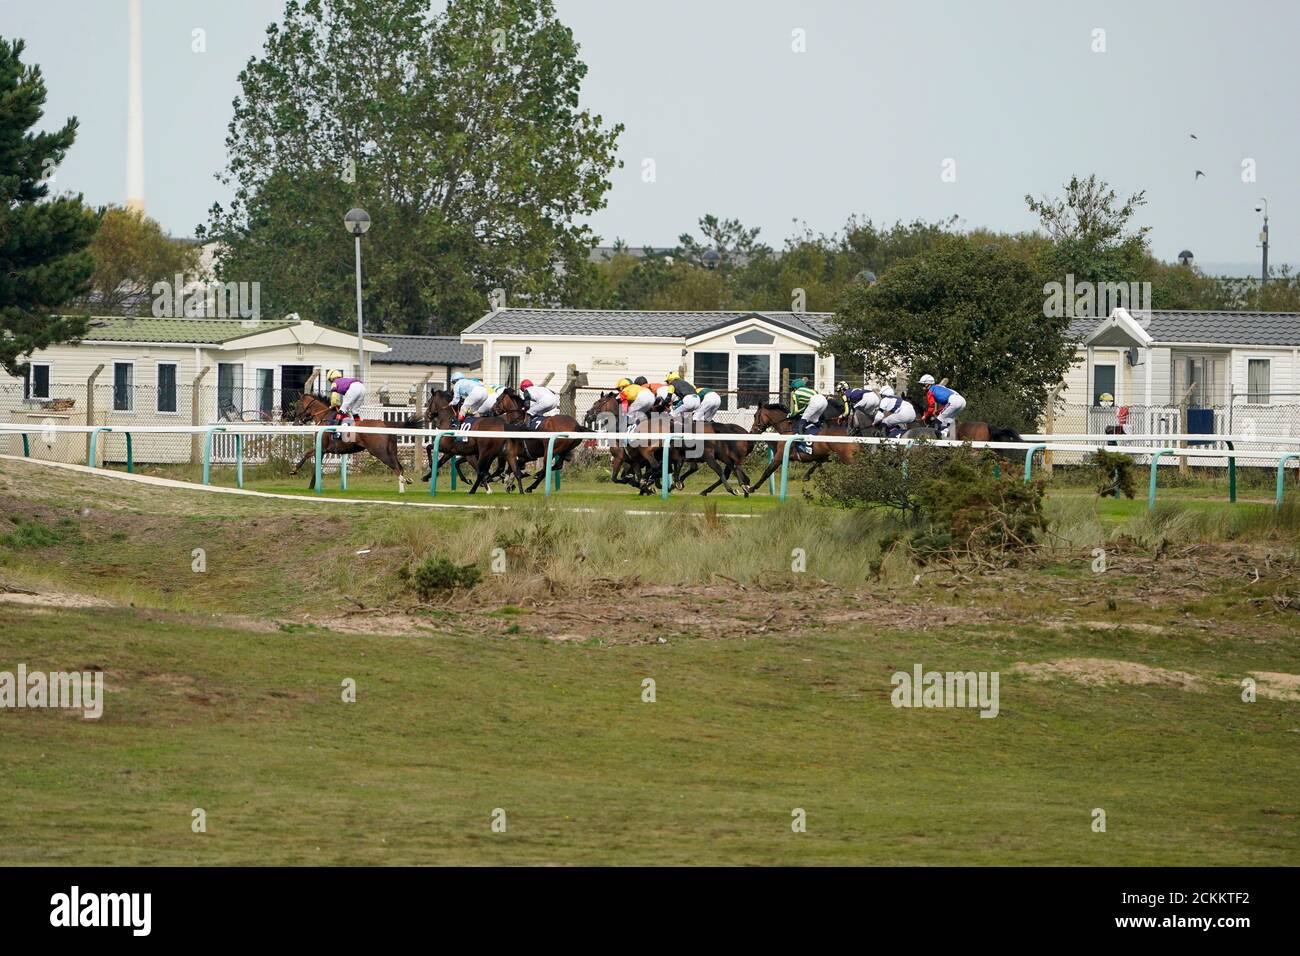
column 1119, row 690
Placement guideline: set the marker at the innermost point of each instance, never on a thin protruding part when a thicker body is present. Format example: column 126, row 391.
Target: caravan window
column 1259, row 381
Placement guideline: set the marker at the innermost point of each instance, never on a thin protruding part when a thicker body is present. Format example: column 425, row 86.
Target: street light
column 357, row 222
column 1263, row 238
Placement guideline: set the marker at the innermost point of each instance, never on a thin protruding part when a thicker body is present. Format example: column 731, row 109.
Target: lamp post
column 357, row 221
column 1263, row 238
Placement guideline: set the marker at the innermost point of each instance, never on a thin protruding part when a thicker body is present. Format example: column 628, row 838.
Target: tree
column 131, row 253
column 44, row 259
column 967, row 310
column 460, row 133
column 1092, row 234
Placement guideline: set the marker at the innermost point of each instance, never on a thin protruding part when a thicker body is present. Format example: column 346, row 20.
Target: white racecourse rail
column 1158, row 447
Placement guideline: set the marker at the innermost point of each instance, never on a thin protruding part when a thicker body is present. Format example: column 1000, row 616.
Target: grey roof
column 427, row 350
column 1221, row 328
column 618, row 323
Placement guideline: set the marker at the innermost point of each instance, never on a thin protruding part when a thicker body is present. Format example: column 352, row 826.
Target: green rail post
column 785, row 467
column 433, row 462
column 27, row 447
column 239, row 460
column 94, row 438
column 455, row 468
column 207, row 453
column 665, row 453
column 1029, row 461
column 130, row 455
column 1232, row 477
column 320, row 444
column 771, row 479
column 550, row 454
column 1281, row 475
column 343, row 472
column 1151, row 486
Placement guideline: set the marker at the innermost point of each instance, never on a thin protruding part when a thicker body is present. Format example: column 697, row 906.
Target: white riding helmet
column 887, row 391
column 927, row 379
column 457, row 376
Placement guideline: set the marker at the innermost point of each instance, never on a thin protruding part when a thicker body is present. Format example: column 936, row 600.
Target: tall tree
column 460, row 133
column 44, row 260
column 131, row 253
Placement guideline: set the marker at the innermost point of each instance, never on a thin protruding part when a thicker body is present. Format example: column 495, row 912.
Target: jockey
column 710, row 402
column 944, row 403
column 807, row 403
column 350, row 392
column 538, row 400
column 687, row 398
column 636, row 401
column 894, row 413
column 467, row 395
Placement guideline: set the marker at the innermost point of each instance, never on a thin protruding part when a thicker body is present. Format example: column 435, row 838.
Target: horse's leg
column 712, row 462
column 809, row 473
column 388, row 454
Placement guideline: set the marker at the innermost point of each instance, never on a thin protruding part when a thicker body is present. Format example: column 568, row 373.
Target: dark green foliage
column 45, row 261
column 887, row 475
column 1114, row 473
column 437, row 574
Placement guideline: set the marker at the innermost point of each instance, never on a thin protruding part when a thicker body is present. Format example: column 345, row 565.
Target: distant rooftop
column 620, row 323
column 147, row 328
column 427, row 350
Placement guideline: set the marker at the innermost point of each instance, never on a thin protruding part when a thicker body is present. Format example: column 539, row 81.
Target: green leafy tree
column 967, row 310
column 131, row 253
column 44, row 259
column 459, row 132
column 1092, row 233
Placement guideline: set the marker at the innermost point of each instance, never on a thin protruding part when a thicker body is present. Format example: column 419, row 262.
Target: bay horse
column 384, row 447
column 510, row 405
column 477, row 444
column 777, row 418
column 448, row 447
column 731, row 454
column 638, row 463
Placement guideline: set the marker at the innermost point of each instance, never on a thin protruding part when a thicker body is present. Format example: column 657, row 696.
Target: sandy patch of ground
column 1276, row 685
column 47, row 599
column 1100, row 672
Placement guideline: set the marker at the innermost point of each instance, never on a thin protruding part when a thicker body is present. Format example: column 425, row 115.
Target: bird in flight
column 1199, row 175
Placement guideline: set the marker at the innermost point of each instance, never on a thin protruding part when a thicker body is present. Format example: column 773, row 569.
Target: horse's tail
column 410, row 421
column 1004, row 434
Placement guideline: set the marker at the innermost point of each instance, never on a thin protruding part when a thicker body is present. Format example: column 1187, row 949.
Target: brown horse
column 519, row 451
column 448, row 446
column 384, row 447
column 638, row 463
column 731, row 454
column 979, row 431
column 777, row 418
column 476, row 444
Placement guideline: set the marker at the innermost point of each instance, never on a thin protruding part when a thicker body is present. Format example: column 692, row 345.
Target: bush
column 437, row 574
column 888, row 475
column 1114, row 474
column 975, row 512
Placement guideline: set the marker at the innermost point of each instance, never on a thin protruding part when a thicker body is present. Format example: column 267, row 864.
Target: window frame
column 30, row 391
column 1252, row 397
column 176, row 387
column 130, row 385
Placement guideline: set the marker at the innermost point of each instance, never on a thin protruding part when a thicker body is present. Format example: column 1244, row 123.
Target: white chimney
column 135, row 112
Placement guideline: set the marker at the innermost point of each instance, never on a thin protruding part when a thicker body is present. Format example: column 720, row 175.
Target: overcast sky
column 740, row 124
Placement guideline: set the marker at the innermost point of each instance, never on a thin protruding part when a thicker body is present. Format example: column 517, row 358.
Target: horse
column 475, row 444
column 638, row 463
column 510, row 405
column 384, row 447
column 731, row 453
column 777, row 417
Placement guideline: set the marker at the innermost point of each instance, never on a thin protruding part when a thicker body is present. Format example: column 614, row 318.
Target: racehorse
column 510, row 405
column 384, row 447
column 777, row 417
column 447, row 444
column 638, row 463
column 475, row 444
column 732, row 454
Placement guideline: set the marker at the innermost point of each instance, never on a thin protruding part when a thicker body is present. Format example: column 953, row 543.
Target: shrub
column 975, row 512
column 437, row 574
column 888, row 475
column 1114, row 474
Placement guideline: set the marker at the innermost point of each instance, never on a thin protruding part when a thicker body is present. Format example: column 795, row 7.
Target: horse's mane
column 776, row 407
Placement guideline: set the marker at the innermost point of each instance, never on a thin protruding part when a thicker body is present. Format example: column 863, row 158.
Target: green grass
column 446, row 728
column 224, row 687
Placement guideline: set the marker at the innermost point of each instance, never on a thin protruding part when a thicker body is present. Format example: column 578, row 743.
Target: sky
column 788, row 112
